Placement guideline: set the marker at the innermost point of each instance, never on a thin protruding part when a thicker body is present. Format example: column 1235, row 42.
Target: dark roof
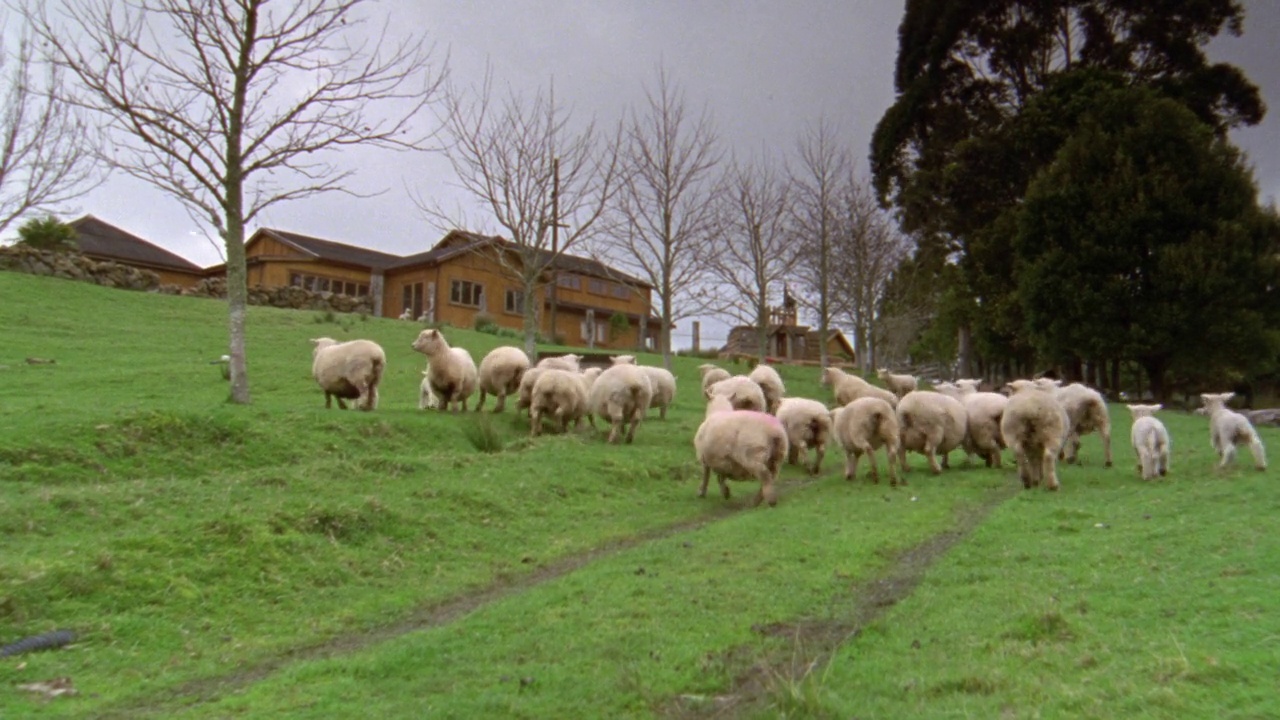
column 101, row 239
column 566, row 262
column 334, row 251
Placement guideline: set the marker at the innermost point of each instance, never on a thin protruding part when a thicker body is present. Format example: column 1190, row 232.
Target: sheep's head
column 882, row 373
column 320, row 344
column 430, row 342
column 719, row 404
column 623, row 359
column 1016, row 386
column 1143, row 410
column 1215, row 402
column 1047, row 383
column 830, row 375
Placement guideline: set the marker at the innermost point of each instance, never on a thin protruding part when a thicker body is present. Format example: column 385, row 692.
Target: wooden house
column 788, row 341
column 103, row 241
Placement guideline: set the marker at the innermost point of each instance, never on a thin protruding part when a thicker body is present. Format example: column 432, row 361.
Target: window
column 599, row 287
column 514, row 302
column 412, row 299
column 316, row 283
column 590, row 326
column 621, row 291
column 572, row 282
column 465, row 292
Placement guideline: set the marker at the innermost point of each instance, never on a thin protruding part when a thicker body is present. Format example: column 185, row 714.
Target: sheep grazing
column 1086, row 413
column 711, row 374
column 348, row 371
column 740, row 445
column 1034, row 426
column 568, row 362
column 929, row 423
column 562, row 395
column 984, row 411
column 1228, row 429
column 427, row 400
column 741, row 391
column 848, row 388
column 1150, row 441
column 451, row 373
column 897, row 384
column 663, row 384
column 621, row 394
column 500, row 373
column 808, row 425
column 861, row 427
column 771, row 383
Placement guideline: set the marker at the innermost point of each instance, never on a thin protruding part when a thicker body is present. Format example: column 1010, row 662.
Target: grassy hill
column 281, row 560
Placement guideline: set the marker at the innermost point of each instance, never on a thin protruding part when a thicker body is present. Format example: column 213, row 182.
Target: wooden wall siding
column 176, row 277
column 267, row 247
column 600, row 293
column 274, row 273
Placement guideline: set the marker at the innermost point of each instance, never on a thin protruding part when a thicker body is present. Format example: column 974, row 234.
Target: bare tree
column 818, row 184
column 232, row 106
column 46, row 155
column 666, row 214
column 524, row 161
column 758, row 248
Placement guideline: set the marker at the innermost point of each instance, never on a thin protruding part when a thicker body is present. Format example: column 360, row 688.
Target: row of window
column 595, row 286
column 471, row 294
column 317, row 283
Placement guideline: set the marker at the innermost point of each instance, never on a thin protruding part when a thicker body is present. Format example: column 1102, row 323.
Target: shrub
column 485, row 323
column 618, row 325
column 482, row 435
column 47, row 233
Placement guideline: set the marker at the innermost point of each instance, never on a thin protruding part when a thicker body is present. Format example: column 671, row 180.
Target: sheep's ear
column 1227, row 396
column 1158, row 406
column 1205, row 397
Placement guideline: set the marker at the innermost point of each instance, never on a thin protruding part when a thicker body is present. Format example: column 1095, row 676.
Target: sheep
column 1034, row 426
column 983, row 411
column 500, row 373
column 929, row 423
column 559, row 393
column 1086, row 413
column 862, row 426
column 622, row 360
column 588, row 379
column 808, row 425
column 711, row 374
column 568, row 362
column 452, row 372
column 897, row 384
column 742, row 392
column 348, row 371
column 1150, row 441
column 407, row 314
column 663, row 384
column 1228, row 428
column 524, row 393
column 621, row 393
column 740, row 445
column 427, row 400
column 771, row 384
column 848, row 388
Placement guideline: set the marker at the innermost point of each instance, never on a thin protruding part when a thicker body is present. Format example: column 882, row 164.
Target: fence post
column 697, row 336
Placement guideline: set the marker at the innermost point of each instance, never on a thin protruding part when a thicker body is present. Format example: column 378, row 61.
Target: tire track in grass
column 815, row 642
column 436, row 614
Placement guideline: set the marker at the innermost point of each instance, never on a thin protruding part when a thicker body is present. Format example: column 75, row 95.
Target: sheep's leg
column 895, row 475
column 564, row 421
column 724, row 486
column 631, row 429
column 615, row 429
column 1228, row 455
column 662, row 412
column 1259, row 453
column 946, row 460
column 850, row 465
column 793, row 454
column 902, row 459
column 499, row 406
column 706, row 479
column 464, row 404
column 535, row 423
column 1106, row 445
column 819, row 451
column 1048, row 470
column 1024, row 467
column 342, row 404
column 1164, row 460
column 930, row 453
column 1148, row 466
column 480, row 402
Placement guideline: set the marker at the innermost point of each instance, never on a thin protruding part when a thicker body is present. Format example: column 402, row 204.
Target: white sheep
column 711, row 374
column 500, row 373
column 1228, row 429
column 407, row 314
column 620, row 394
column 741, row 391
column 847, row 387
column 524, row 393
column 562, row 395
column 897, row 384
column 808, row 426
column 1034, row 426
column 984, row 411
column 1150, row 441
column 568, row 362
column 348, row 371
column 929, row 423
column 588, row 379
column 427, row 400
column 740, row 445
column 771, row 384
column 452, row 373
column 661, row 381
column 860, row 428
column 1086, row 413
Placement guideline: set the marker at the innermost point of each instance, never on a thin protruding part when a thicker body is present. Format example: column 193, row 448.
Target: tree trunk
column 964, row 343
column 531, row 303
column 237, row 303
column 1155, row 369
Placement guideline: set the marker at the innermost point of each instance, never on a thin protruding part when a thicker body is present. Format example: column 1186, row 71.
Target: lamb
column 1086, row 413
column 427, row 400
column 568, row 362
column 1034, row 426
column 771, row 383
column 407, row 314
column 861, row 427
column 500, row 373
column 740, row 445
column 1150, row 441
column 897, row 384
column 742, row 392
column 559, row 393
column 808, row 425
column 984, row 411
column 929, row 423
column 1228, row 428
column 662, row 382
column 711, row 374
column 348, row 371
column 451, row 373
column 524, row 394
column 848, row 388
column 621, row 393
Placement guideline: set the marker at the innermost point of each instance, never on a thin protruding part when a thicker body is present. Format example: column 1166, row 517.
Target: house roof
column 742, row 339
column 102, row 239
column 330, row 250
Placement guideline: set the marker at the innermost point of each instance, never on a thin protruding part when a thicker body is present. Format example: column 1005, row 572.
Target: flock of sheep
column 751, row 427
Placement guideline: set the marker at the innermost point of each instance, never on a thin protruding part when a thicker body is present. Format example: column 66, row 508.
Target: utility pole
column 555, row 241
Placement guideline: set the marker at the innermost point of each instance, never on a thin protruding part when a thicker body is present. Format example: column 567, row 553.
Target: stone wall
column 73, row 266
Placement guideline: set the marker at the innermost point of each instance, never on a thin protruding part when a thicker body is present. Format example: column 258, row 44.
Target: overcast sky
column 764, row 69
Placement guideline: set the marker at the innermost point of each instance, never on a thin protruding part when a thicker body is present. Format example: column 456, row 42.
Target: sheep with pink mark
column 740, row 445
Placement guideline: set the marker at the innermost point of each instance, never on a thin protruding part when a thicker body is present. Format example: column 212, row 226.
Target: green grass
column 280, row 560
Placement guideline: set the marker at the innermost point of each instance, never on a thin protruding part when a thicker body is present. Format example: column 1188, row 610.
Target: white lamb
column 771, row 383
column 562, row 395
column 740, row 445
column 620, row 394
column 407, row 314
column 863, row 426
column 808, row 425
column 1034, row 426
column 568, row 362
column 929, row 423
column 741, row 391
column 711, row 374
column 427, row 400
column 1086, row 413
column 348, row 371
column 1150, row 441
column 661, row 381
column 897, row 384
column 1228, row 429
column 848, row 388
column 984, row 411
column 452, row 373
column 500, row 373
